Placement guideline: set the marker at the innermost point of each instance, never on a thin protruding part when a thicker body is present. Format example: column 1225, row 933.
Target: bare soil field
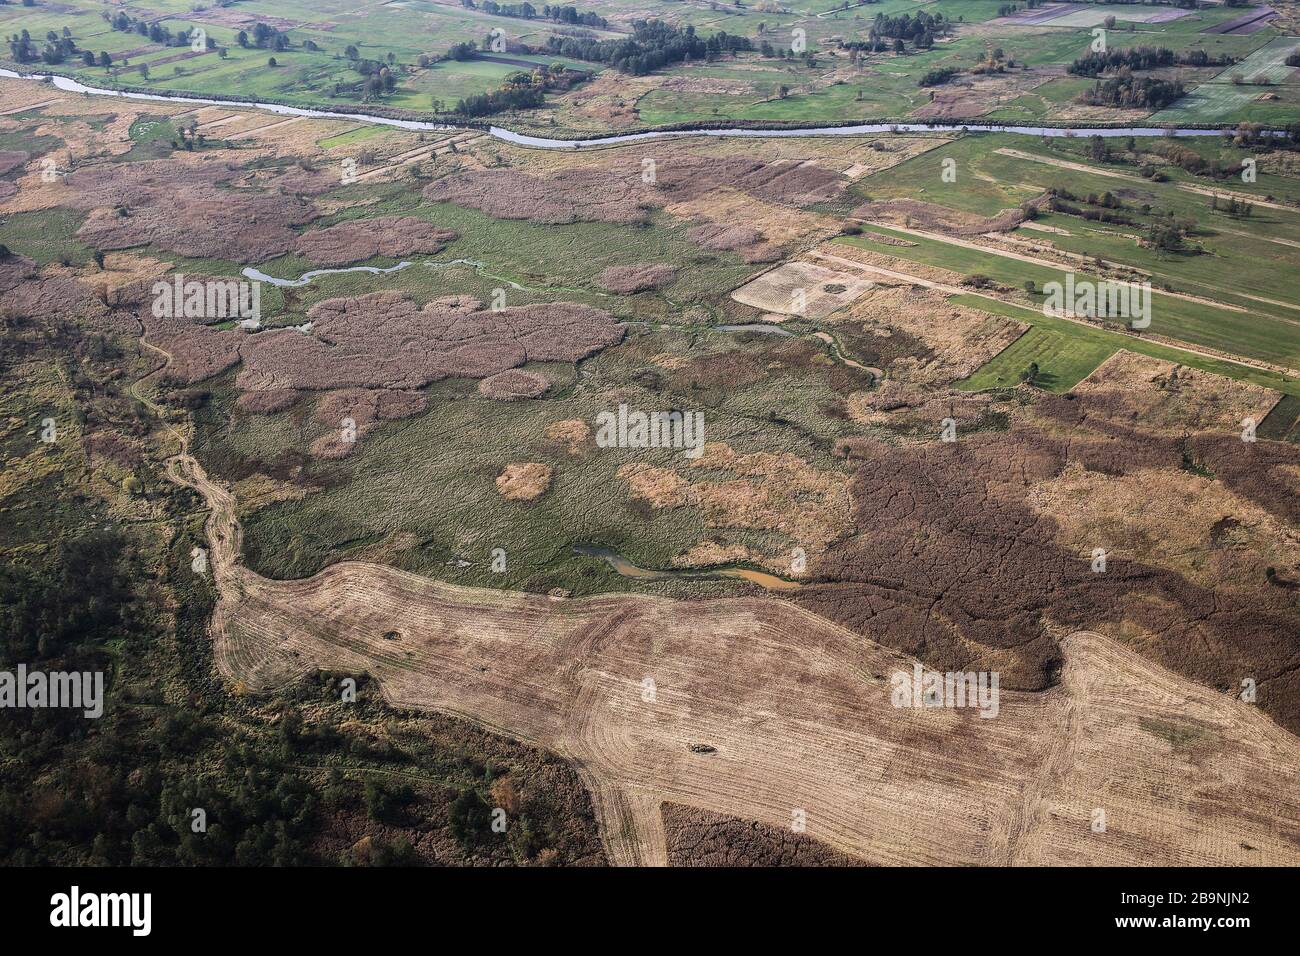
column 802, row 288
column 649, row 714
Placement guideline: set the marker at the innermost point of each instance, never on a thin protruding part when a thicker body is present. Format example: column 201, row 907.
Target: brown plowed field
column 1205, row 779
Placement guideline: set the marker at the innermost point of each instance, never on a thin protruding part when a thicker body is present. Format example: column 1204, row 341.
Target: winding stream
column 259, row 276
column 541, row 142
column 629, row 570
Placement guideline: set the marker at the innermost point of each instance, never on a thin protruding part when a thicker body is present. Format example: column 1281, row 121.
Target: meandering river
column 541, row 142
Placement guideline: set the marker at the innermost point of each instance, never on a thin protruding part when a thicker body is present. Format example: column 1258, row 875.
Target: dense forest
column 304, row 776
column 653, row 45
column 1132, row 92
column 1143, row 58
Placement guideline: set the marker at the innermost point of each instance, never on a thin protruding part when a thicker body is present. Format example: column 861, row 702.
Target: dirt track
column 1187, row 187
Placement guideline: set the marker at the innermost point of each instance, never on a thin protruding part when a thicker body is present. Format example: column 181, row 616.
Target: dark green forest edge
column 98, row 578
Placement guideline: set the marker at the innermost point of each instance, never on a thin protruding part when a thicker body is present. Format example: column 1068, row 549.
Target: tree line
column 1133, row 92
column 652, row 46
column 570, row 14
column 1143, row 58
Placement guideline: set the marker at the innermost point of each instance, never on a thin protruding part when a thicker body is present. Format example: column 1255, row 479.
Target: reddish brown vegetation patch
column 197, row 351
column 700, row 838
column 55, row 298
column 512, row 385
column 574, row 195
column 267, row 401
column 114, row 447
column 800, row 184
column 954, row 566
column 749, row 242
column 308, row 182
column 637, row 278
column 357, row 240
column 350, row 413
column 15, row 270
column 385, row 340
column 617, row 192
column 925, row 215
column 11, row 159
column 183, row 209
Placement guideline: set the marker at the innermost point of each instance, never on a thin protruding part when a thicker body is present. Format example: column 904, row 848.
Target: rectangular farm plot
column 1063, row 360
column 1222, row 98
column 1096, row 15
column 1266, row 63
column 1088, row 15
column 802, row 288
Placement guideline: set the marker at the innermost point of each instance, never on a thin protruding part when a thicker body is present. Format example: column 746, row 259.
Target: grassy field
column 1236, row 333
column 1244, row 262
column 883, row 86
column 421, row 491
column 1102, row 338
column 1063, row 361
column 1247, row 264
column 1281, row 423
column 1239, row 91
column 405, row 30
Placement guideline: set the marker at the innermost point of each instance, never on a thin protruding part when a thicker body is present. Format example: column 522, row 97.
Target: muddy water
column 629, row 570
